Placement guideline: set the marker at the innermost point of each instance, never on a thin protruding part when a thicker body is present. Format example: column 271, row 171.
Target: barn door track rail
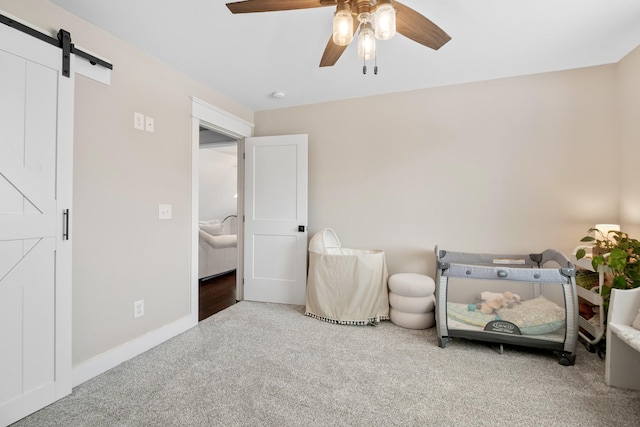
column 63, row 41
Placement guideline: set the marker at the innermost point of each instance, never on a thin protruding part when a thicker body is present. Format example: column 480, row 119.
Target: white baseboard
column 112, row 358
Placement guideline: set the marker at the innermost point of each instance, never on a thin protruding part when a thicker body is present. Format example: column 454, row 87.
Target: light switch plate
column 149, row 124
column 164, row 211
column 138, row 121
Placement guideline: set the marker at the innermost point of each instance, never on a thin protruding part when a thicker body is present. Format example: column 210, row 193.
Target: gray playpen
column 544, row 314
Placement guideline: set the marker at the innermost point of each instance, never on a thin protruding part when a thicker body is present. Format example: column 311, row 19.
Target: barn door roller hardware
column 63, row 41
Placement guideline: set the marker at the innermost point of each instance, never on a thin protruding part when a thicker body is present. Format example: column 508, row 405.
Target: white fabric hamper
column 345, row 286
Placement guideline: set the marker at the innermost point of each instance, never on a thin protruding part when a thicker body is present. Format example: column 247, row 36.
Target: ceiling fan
column 379, row 19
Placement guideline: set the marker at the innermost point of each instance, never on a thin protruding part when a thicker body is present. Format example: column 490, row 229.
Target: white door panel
column 12, row 88
column 275, row 178
column 27, row 319
column 35, row 274
column 275, row 209
column 274, row 268
column 36, row 122
column 21, row 185
column 40, row 125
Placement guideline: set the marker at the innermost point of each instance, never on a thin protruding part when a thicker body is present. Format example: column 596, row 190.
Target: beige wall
column 121, row 251
column 499, row 166
column 628, row 163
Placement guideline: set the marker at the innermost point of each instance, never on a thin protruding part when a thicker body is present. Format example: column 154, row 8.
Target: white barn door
column 275, row 249
column 36, row 125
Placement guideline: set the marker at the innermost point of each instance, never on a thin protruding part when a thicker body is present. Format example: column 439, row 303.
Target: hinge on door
column 242, row 218
column 244, row 156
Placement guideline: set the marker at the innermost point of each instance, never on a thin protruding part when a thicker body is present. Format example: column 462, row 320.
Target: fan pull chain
column 375, row 66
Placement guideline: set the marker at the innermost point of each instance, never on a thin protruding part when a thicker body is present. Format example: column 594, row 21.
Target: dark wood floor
column 216, row 294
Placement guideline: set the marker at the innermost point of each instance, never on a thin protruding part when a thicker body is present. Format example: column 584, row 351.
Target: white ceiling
column 247, row 57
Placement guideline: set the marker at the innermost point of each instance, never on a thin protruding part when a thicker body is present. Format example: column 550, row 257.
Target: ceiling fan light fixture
column 385, row 20
column 353, row 15
column 342, row 24
column 366, row 41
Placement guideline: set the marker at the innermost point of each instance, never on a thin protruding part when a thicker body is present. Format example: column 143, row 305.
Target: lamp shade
column 604, row 230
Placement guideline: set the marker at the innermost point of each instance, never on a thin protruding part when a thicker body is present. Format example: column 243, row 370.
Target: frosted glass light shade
column 366, row 42
column 385, row 21
column 342, row 27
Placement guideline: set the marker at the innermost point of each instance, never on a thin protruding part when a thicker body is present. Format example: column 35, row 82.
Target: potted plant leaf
column 620, row 254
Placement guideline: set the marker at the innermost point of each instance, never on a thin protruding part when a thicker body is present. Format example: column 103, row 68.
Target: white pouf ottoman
column 412, row 301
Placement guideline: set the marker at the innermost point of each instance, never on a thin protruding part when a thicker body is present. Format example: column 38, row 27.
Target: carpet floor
column 259, row 364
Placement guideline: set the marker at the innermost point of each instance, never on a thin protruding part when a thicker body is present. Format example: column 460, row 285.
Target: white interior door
column 36, row 122
column 275, row 250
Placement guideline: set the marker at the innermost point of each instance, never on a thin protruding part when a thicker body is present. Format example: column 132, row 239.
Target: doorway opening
column 217, row 221
column 205, row 115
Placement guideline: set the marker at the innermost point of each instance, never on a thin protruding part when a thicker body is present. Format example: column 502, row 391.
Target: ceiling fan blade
column 413, row 25
column 333, row 52
column 250, row 6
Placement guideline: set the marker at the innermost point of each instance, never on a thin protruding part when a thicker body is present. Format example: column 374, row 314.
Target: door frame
column 208, row 116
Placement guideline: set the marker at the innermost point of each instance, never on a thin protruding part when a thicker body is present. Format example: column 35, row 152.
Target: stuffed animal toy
column 492, row 301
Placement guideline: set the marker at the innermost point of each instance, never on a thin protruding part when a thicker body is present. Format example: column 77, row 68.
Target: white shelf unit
column 593, row 297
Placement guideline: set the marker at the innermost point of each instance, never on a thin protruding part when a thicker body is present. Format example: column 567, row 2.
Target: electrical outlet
column 138, row 308
column 149, row 124
column 164, row 211
column 138, row 121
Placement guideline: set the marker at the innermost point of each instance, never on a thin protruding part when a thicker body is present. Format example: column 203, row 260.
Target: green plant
column 620, row 253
